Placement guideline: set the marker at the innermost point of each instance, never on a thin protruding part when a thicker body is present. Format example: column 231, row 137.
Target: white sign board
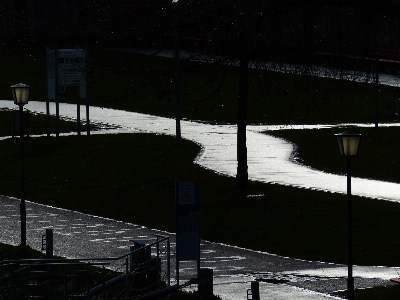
column 71, row 66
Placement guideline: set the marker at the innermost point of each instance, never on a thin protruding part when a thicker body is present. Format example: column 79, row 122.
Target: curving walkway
column 268, row 157
column 234, row 268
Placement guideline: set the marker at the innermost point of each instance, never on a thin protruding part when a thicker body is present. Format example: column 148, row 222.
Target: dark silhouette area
column 344, row 35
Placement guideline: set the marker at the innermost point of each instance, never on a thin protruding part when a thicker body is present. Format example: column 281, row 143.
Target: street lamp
column 21, row 95
column 348, row 147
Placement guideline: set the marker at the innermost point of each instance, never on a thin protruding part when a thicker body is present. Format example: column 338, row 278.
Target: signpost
column 187, row 216
column 67, row 67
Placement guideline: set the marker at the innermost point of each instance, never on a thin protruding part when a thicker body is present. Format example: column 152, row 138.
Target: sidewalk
column 268, row 157
column 77, row 235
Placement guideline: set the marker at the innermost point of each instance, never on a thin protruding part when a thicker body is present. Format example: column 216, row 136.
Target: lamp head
column 349, row 143
column 20, row 93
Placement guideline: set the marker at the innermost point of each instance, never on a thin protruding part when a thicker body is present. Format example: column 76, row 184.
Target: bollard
column 153, row 273
column 49, row 243
column 205, row 285
column 139, row 257
column 255, row 290
column 139, row 260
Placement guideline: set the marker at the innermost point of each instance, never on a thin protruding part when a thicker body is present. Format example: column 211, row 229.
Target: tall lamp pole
column 348, row 146
column 21, row 95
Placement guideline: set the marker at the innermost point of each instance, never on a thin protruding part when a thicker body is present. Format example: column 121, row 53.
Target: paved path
column 79, row 235
column 268, row 156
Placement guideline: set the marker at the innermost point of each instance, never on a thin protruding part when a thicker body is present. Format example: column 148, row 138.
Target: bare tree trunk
column 176, row 75
column 242, row 174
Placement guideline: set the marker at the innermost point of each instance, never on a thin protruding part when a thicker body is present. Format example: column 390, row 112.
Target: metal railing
column 127, row 276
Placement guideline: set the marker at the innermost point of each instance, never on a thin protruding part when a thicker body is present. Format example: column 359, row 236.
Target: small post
column 65, row 283
column 49, row 243
column 205, row 285
column 78, row 114
column 158, row 248
column 177, row 270
column 168, row 262
column 255, row 290
column 104, row 282
column 48, row 117
column 127, row 277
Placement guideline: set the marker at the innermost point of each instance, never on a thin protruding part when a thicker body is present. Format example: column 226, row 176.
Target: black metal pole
column 48, row 116
column 168, row 262
column 350, row 280
column 78, row 114
column 57, row 87
column 377, row 96
column 242, row 168
column 22, row 204
column 176, row 75
column 87, row 92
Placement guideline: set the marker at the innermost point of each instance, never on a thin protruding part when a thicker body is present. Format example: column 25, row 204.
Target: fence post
column 255, row 290
column 13, row 285
column 169, row 262
column 158, row 248
column 65, row 283
column 127, row 276
column 49, row 243
column 205, row 284
column 104, row 283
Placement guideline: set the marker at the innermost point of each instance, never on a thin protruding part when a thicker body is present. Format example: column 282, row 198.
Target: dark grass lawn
column 37, row 124
column 378, row 153
column 386, row 293
column 10, row 252
column 130, row 177
column 208, row 92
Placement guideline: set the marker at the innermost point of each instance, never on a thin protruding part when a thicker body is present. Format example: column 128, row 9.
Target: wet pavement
column 269, row 158
column 78, row 235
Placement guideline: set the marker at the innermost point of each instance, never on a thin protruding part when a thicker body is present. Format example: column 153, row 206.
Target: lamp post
column 348, row 146
column 21, row 95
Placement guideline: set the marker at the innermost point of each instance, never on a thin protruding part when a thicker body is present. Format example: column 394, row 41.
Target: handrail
column 151, row 268
column 66, row 264
column 55, row 260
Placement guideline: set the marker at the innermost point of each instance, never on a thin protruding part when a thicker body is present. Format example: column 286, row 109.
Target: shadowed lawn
column 387, row 293
column 208, row 92
column 9, row 252
column 37, row 124
column 378, row 153
column 130, row 177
